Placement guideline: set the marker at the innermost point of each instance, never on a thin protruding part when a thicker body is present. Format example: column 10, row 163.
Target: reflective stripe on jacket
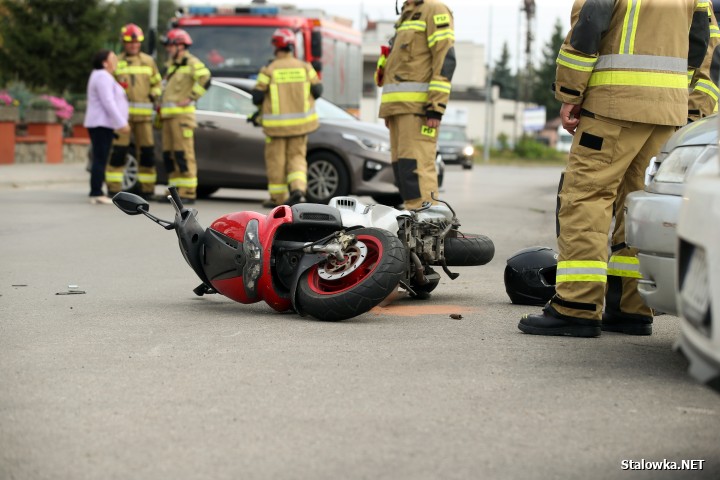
column 288, row 108
column 187, row 79
column 629, row 59
column 420, row 66
column 143, row 83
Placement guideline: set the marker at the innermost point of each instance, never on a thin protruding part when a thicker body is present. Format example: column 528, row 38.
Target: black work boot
column 630, row 324
column 550, row 322
column 296, row 196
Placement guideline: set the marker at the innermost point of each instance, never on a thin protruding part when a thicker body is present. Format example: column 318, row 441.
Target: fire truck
column 235, row 42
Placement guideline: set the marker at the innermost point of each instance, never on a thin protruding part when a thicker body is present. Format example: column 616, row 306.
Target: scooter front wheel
column 468, row 249
column 369, row 272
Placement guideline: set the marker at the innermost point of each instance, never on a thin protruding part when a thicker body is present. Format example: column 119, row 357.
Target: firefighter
column 186, row 80
column 415, row 72
column 624, row 91
column 139, row 75
column 703, row 89
column 285, row 91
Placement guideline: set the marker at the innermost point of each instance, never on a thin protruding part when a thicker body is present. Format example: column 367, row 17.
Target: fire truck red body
column 235, row 42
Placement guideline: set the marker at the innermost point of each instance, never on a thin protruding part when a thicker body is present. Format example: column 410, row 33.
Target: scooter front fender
column 306, row 263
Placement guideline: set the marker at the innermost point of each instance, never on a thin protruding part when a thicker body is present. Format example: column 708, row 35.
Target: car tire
column 327, row 177
column 205, row 192
column 467, row 166
column 131, row 181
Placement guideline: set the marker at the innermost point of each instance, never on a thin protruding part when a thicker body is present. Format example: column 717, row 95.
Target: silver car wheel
column 130, row 178
column 323, row 179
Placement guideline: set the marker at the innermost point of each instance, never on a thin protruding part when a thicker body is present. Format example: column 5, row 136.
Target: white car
column 698, row 278
column 652, row 215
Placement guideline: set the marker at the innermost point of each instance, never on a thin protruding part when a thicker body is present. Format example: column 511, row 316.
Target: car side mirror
column 130, row 203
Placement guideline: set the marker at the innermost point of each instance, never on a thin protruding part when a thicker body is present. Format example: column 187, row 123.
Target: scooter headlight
column 253, row 258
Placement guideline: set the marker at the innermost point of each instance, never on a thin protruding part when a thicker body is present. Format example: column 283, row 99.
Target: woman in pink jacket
column 107, row 112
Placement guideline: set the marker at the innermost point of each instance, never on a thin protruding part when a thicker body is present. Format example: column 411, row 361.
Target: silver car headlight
column 680, row 163
column 367, row 143
column 469, row 151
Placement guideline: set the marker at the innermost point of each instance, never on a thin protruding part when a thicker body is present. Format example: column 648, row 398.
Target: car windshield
column 223, row 98
column 452, row 135
column 218, row 100
column 232, row 50
column 329, row 111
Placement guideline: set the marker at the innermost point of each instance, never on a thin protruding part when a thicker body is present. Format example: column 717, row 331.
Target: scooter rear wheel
column 468, row 249
column 370, row 271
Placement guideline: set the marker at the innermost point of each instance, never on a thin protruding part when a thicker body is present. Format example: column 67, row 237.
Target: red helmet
column 131, row 33
column 283, row 38
column 177, row 36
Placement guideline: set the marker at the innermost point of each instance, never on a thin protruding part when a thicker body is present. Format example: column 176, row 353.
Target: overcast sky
column 471, row 18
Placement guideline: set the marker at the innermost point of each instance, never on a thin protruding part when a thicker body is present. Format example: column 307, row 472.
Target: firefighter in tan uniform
column 415, row 74
column 186, row 80
column 624, row 90
column 139, row 75
column 286, row 90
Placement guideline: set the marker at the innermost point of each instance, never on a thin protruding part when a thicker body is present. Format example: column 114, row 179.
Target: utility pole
column 529, row 9
column 488, row 94
column 153, row 23
column 525, row 86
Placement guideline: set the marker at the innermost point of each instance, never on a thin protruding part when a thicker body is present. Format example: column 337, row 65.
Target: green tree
column 503, row 77
column 50, row 43
column 545, row 73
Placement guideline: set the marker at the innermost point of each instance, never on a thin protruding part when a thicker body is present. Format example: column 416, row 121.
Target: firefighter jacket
column 629, row 59
column 187, row 78
column 421, row 62
column 140, row 77
column 703, row 88
column 287, row 89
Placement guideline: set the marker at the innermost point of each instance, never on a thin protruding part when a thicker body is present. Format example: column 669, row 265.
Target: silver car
column 652, row 214
column 699, row 278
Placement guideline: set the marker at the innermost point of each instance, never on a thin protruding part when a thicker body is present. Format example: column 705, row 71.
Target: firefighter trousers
column 286, row 166
column 144, row 151
column 413, row 147
column 608, row 157
column 179, row 153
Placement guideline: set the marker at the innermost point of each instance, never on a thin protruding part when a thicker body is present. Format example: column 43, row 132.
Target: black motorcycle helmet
column 530, row 276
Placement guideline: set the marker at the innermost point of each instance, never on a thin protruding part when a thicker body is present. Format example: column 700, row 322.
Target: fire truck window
column 232, row 51
column 299, row 46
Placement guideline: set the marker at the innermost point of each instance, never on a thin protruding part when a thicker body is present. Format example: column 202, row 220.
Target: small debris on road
column 72, row 290
column 456, row 316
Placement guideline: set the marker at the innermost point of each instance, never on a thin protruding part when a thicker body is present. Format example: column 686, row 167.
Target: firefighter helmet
column 283, row 38
column 131, row 33
column 177, row 36
column 530, row 276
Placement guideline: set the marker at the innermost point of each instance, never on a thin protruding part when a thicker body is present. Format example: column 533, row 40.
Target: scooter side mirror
column 130, row 203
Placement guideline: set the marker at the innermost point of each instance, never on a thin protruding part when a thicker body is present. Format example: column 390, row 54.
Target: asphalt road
column 139, row 378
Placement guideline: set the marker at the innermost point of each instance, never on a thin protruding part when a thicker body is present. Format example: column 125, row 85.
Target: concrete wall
column 35, row 153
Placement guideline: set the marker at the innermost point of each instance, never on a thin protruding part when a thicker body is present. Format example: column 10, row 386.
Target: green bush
column 531, row 149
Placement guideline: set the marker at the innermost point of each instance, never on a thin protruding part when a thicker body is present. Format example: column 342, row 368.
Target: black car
column 455, row 147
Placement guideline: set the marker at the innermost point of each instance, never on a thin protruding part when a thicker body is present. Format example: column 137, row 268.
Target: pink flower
column 62, row 108
column 6, row 99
